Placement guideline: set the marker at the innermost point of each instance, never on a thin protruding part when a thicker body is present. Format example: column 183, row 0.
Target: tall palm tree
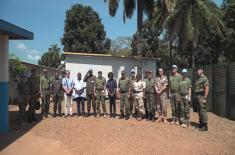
column 52, row 58
column 143, row 6
column 189, row 18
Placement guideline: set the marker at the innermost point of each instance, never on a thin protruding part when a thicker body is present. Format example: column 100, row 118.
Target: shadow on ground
column 16, row 131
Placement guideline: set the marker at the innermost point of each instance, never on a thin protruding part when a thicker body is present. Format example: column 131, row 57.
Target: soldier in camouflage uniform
column 160, row 88
column 45, row 94
column 202, row 91
column 150, row 96
column 23, row 96
column 90, row 84
column 174, row 83
column 56, row 94
column 34, row 89
column 132, row 98
column 185, row 97
column 124, row 91
column 100, row 90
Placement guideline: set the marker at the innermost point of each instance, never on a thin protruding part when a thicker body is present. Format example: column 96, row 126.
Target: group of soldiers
column 139, row 98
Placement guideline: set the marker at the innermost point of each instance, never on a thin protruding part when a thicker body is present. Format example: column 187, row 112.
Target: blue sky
column 45, row 18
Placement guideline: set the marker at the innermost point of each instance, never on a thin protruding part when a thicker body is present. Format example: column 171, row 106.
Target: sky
column 45, row 18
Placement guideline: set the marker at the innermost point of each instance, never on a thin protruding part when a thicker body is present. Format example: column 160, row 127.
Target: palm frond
column 113, row 5
column 148, row 7
column 129, row 7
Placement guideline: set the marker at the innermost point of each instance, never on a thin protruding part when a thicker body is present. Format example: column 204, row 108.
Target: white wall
column 82, row 64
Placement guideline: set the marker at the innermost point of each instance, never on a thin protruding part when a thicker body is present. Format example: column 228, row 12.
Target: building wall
column 82, row 64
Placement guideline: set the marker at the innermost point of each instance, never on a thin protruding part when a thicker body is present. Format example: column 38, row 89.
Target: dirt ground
column 89, row 135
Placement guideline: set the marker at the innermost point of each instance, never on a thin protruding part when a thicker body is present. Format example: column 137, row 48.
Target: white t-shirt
column 79, row 85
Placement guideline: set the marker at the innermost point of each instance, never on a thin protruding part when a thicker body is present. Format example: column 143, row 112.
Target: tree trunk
column 139, row 35
column 193, row 55
column 171, row 52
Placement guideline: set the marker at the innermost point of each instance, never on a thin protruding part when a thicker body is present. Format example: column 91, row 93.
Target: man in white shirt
column 139, row 91
column 79, row 87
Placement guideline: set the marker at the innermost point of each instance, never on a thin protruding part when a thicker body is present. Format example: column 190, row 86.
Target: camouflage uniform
column 23, row 92
column 185, row 84
column 100, row 93
column 34, row 87
column 132, row 97
column 138, row 96
column 160, row 99
column 200, row 84
column 174, row 84
column 90, row 82
column 57, row 94
column 150, row 97
column 45, row 85
column 124, row 86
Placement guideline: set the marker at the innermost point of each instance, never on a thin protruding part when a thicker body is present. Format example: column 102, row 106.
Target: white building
column 82, row 62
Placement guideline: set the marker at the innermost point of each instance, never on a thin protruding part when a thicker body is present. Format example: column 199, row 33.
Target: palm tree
column 143, row 6
column 187, row 20
column 51, row 58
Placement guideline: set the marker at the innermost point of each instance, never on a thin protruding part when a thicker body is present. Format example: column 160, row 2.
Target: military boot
column 88, row 114
column 204, row 127
column 121, row 116
column 127, row 117
column 140, row 117
column 200, row 124
column 146, row 115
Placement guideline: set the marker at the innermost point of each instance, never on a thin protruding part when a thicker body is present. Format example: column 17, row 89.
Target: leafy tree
column 228, row 42
column 83, row 31
column 150, row 41
column 52, row 58
column 15, row 67
column 126, row 52
column 121, row 43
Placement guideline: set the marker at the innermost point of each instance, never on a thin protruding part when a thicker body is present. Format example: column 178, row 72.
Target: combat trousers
column 132, row 104
column 161, row 105
column 100, row 98
column 68, row 105
column 91, row 100
column 185, row 107
column 23, row 101
column 175, row 106
column 45, row 102
column 124, row 102
column 150, row 103
column 32, row 107
column 57, row 103
column 139, row 104
column 202, row 109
